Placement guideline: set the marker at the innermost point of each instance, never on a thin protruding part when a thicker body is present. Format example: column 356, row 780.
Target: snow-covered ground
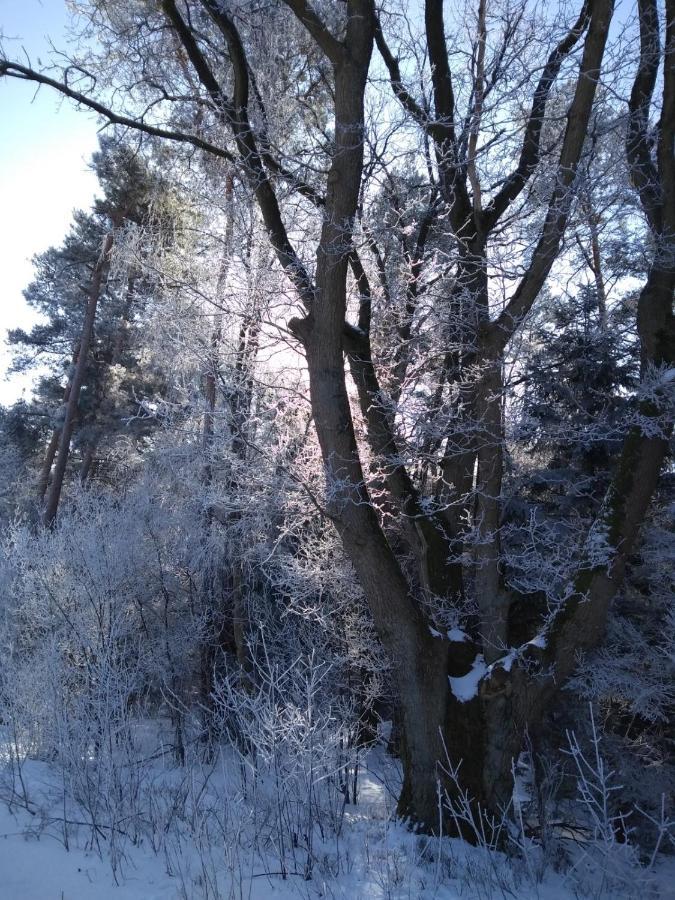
column 197, row 854
column 34, row 865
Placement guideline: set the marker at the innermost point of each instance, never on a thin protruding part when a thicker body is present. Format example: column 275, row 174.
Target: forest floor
column 370, row 857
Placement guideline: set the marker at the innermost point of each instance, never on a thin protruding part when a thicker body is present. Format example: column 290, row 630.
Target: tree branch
column 15, row 70
column 334, row 49
column 530, row 152
column 499, row 332
column 251, row 157
column 638, row 145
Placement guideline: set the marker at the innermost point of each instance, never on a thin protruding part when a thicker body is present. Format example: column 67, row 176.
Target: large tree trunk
column 461, row 737
column 458, row 714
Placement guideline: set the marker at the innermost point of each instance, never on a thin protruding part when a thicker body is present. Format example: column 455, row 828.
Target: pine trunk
column 54, row 494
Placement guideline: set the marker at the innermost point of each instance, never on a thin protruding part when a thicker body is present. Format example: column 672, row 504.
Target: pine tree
column 91, row 293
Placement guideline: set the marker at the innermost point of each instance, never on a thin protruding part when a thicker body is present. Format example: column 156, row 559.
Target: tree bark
column 98, row 275
column 88, row 461
column 53, row 445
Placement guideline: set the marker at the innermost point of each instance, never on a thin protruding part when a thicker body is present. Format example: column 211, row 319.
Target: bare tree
column 468, row 697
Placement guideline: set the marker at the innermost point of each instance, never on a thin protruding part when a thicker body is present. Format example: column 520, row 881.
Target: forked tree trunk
column 433, row 720
column 456, row 713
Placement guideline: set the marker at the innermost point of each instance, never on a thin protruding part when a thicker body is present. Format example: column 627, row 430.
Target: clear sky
column 45, row 144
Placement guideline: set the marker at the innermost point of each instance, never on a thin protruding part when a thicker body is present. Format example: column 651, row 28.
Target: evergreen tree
column 92, row 292
column 580, row 377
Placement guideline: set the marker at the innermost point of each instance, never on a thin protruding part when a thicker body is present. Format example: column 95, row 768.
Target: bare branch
column 638, row 145
column 530, row 152
column 334, row 49
column 15, row 70
column 546, row 251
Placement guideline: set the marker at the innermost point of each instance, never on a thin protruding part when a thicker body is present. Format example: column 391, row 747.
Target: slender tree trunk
column 601, row 293
column 48, row 462
column 231, row 625
column 87, row 461
column 212, row 367
column 490, row 596
column 53, row 445
column 54, row 493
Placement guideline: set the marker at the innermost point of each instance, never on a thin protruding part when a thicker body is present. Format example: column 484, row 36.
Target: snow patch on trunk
column 465, row 688
column 456, row 634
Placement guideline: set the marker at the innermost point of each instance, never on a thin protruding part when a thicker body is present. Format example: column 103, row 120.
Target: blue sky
column 45, row 144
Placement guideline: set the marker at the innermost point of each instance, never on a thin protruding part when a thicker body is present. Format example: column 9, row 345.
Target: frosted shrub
column 291, row 746
column 606, row 859
column 93, row 632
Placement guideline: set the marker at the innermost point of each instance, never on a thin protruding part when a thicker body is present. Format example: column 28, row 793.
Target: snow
column 36, row 866
column 377, row 858
column 380, row 859
column 539, row 641
column 456, row 634
column 465, row 688
column 507, row 661
column 453, row 634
